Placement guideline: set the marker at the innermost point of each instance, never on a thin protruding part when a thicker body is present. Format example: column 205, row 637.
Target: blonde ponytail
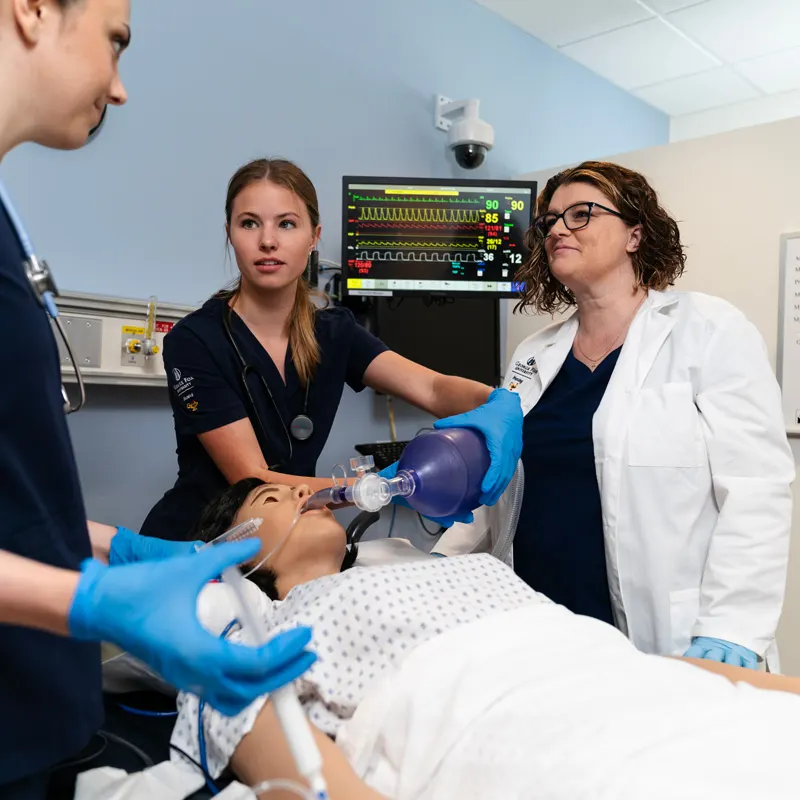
column 302, row 336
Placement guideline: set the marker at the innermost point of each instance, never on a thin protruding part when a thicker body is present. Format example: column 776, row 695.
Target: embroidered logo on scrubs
column 193, row 406
column 182, row 385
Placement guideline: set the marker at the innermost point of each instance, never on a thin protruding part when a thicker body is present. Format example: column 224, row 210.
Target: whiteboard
column 788, row 367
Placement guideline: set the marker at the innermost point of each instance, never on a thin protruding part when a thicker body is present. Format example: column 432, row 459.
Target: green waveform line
column 370, row 214
column 443, row 245
column 416, row 200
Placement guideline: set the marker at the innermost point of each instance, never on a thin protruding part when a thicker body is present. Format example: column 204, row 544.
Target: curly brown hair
column 657, row 263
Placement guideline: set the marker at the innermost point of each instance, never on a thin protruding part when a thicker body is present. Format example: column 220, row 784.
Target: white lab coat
column 694, row 470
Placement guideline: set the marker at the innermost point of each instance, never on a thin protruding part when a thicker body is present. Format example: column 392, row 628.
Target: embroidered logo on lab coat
column 521, row 372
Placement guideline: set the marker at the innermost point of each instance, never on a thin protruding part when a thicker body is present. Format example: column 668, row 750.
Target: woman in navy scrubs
column 257, row 374
column 58, row 70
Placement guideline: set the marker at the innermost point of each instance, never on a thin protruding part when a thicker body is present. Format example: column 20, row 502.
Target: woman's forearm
column 100, row 536
column 761, row 680
column 453, row 395
column 35, row 595
column 264, row 755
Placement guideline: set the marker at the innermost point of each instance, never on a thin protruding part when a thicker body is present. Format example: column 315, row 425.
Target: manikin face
column 271, row 235
column 74, row 52
column 316, row 534
column 587, row 257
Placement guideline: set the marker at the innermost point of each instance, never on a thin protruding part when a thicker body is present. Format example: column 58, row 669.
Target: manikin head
column 316, row 546
column 64, row 58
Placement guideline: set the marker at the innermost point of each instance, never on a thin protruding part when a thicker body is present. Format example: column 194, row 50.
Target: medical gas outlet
column 139, row 343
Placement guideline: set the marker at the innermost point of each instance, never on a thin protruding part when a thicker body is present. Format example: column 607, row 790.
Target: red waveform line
column 422, row 226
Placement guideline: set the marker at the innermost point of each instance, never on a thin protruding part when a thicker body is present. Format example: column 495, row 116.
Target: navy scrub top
column 206, row 392
column 559, row 548
column 50, row 688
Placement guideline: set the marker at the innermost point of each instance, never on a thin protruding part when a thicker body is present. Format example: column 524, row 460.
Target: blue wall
column 340, row 88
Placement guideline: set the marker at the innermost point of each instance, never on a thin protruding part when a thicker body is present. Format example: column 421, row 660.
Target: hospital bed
column 130, row 684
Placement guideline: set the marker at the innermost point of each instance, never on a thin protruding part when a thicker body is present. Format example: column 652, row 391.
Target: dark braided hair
column 219, row 515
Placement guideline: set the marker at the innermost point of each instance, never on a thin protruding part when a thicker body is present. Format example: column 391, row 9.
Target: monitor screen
column 417, row 237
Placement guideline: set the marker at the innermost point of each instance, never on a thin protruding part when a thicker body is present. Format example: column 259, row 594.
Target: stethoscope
column 300, row 428
column 44, row 289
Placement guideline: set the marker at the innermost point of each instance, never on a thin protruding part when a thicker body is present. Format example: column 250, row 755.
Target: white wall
column 733, row 195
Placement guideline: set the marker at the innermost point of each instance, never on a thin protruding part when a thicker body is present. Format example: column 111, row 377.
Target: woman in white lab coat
column 657, row 492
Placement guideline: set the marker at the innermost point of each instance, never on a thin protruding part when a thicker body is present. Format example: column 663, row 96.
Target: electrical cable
column 201, row 733
column 429, row 532
column 77, row 762
column 185, row 755
column 391, row 524
column 141, row 712
column 143, row 757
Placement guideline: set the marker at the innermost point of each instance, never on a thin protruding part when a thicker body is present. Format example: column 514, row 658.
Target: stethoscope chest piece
column 302, row 427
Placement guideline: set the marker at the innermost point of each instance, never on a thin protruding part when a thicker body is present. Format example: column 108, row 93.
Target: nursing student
column 257, row 373
column 657, row 468
column 58, row 71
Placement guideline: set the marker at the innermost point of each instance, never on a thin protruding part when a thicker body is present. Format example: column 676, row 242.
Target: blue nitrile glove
column 150, row 610
column 500, row 421
column 128, row 547
column 722, row 651
column 446, row 522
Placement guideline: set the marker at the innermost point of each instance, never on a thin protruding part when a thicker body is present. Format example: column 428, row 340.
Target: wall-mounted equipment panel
column 115, row 340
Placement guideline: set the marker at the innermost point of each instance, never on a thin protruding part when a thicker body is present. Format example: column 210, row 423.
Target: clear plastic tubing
column 291, row 716
column 439, row 473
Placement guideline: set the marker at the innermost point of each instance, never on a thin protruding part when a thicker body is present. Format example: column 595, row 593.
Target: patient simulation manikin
column 365, row 620
column 450, row 677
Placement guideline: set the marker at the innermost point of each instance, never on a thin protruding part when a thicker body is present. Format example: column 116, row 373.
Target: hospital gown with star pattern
column 365, row 621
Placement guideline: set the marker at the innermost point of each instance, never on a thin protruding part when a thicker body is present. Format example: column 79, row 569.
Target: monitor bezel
column 492, row 183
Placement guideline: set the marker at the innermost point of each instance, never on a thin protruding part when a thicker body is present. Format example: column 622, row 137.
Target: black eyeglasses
column 575, row 217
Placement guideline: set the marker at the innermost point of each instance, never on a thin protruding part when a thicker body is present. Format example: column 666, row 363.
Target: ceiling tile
column 668, row 6
column 736, row 30
column 717, row 87
column 560, row 24
column 779, row 72
column 626, row 56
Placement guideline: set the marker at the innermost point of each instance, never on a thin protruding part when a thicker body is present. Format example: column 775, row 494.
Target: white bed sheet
column 539, row 703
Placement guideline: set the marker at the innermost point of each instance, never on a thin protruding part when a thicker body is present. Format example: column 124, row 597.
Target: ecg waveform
column 446, row 215
column 420, row 226
column 426, row 245
column 440, row 200
column 396, row 256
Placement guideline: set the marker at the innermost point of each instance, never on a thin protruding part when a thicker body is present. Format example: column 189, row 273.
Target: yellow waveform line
column 375, row 214
column 443, row 245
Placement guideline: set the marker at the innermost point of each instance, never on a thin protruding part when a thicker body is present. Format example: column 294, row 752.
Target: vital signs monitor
column 417, row 236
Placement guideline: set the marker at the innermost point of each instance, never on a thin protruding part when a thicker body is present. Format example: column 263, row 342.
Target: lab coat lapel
column 647, row 334
column 546, row 358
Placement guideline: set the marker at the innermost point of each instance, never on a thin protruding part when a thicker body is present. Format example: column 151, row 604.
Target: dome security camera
column 469, row 137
